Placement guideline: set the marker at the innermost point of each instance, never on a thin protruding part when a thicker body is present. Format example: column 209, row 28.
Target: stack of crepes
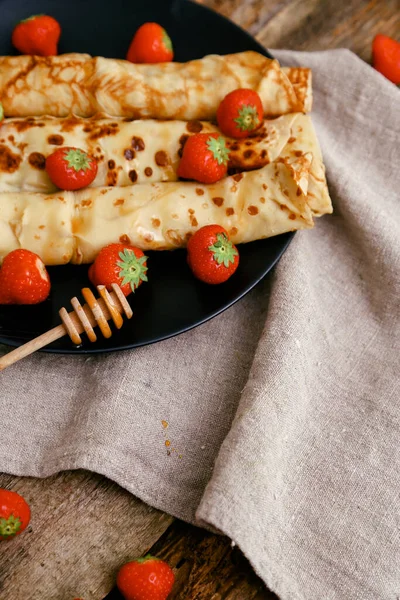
column 135, row 119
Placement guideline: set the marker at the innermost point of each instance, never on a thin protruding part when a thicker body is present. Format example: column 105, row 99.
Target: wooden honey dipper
column 96, row 312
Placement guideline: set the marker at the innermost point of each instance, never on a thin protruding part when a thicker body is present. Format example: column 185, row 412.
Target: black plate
column 173, row 301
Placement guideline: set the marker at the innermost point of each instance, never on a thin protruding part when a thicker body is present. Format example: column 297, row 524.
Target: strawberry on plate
column 23, row 278
column 204, row 158
column 37, row 35
column 211, row 255
column 240, row 113
column 147, row 578
column 150, row 44
column 386, row 57
column 71, row 168
column 15, row 514
column 122, row 264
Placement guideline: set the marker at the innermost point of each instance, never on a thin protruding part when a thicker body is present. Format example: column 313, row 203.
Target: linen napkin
column 277, row 422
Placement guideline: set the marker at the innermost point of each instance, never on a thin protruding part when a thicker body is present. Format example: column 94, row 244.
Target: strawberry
column 71, row 168
column 37, row 35
column 15, row 514
column 150, row 44
column 147, row 578
column 240, row 113
column 119, row 263
column 386, row 57
column 204, row 158
column 23, row 278
column 211, row 255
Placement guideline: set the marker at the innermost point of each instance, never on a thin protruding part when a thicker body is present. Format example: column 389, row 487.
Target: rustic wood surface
column 75, row 543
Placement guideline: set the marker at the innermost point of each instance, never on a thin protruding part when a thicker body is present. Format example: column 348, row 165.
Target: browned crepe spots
column 138, row 143
column 124, row 239
column 37, row 161
column 161, row 158
column 252, row 210
column 230, row 212
column 9, row 162
column 218, row 201
column 148, row 171
column 199, row 191
column 194, row 126
column 55, row 140
column 133, row 175
column 129, row 154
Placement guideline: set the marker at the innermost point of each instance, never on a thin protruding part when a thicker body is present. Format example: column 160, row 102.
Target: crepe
column 74, row 226
column 83, row 85
column 127, row 152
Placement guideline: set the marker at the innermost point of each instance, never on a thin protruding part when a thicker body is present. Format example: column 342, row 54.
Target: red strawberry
column 386, row 57
column 37, row 35
column 150, row 44
column 23, row 278
column 147, row 578
column 204, row 158
column 71, row 168
column 119, row 263
column 211, row 255
column 15, row 514
column 240, row 113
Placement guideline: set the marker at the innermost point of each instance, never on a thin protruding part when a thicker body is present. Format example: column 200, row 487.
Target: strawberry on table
column 150, row 44
column 240, row 113
column 23, row 278
column 204, row 158
column 122, row 264
column 15, row 514
column 147, row 578
column 37, row 35
column 71, row 168
column 386, row 57
column 211, row 255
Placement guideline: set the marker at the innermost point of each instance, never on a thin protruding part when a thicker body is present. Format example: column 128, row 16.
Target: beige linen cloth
column 283, row 412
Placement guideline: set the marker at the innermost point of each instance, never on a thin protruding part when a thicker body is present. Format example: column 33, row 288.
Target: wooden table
column 74, row 545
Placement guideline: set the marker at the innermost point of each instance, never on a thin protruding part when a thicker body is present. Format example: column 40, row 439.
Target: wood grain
column 84, row 526
column 206, row 567
column 314, row 24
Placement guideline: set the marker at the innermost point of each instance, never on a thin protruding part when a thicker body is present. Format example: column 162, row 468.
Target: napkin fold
column 278, row 421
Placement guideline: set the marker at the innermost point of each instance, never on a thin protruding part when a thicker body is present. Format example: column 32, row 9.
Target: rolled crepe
column 74, row 226
column 128, row 152
column 80, row 84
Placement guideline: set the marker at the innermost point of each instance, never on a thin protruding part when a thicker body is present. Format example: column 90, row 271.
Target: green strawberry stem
column 77, row 159
column 223, row 250
column 248, row 118
column 166, row 40
column 32, row 17
column 133, row 270
column 144, row 559
column 9, row 527
column 218, row 149
column 1, row 112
